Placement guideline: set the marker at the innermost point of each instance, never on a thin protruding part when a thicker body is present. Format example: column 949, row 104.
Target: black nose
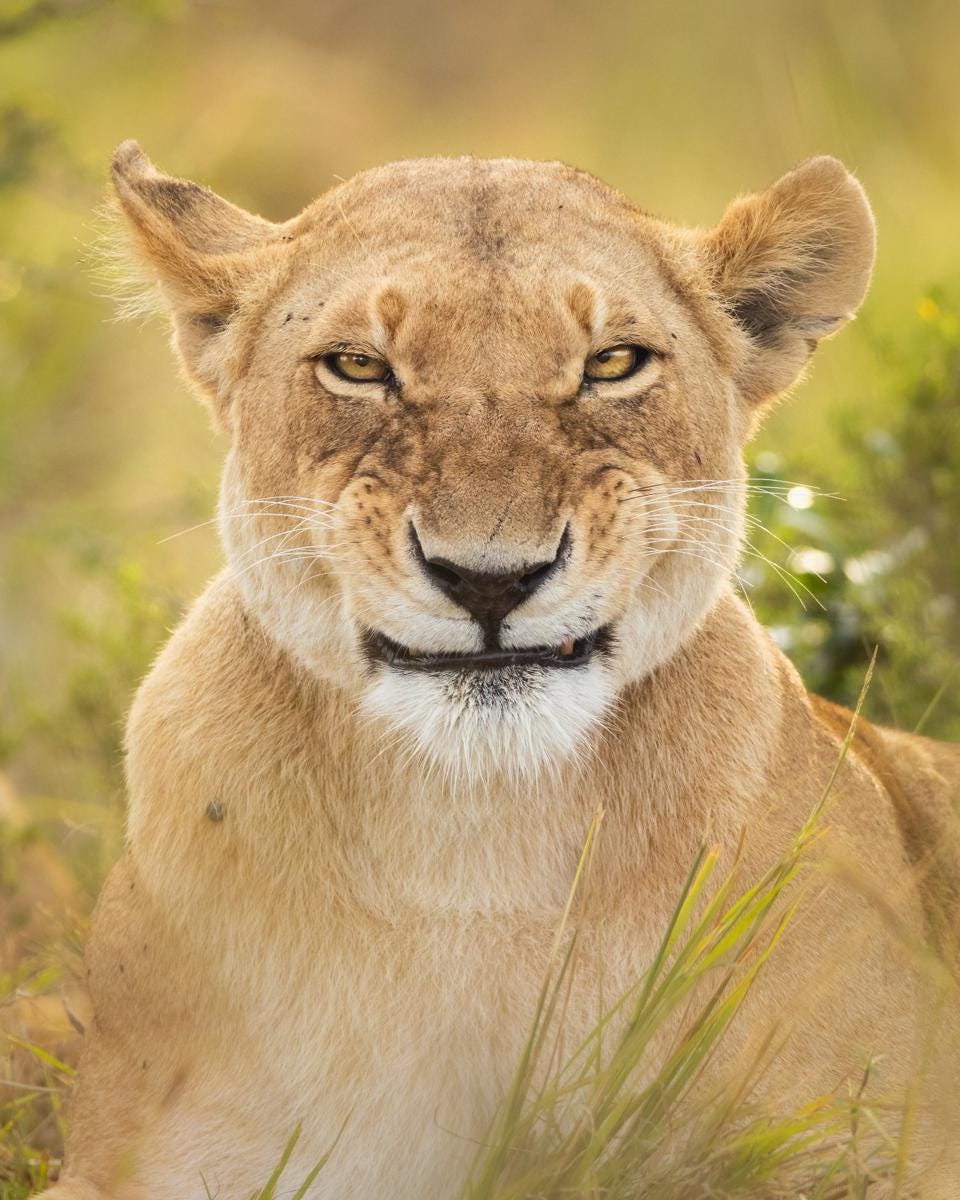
column 488, row 596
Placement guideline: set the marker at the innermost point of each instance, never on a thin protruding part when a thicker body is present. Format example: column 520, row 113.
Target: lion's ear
column 791, row 265
column 199, row 247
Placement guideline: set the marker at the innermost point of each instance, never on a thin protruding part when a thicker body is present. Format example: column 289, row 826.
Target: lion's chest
column 436, row 1033
column 407, row 1037
column 377, row 975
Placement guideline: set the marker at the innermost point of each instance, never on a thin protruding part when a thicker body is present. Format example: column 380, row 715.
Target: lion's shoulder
column 220, row 699
column 209, row 663
column 922, row 779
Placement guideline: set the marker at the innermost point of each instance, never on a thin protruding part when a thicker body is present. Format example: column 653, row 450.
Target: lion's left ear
column 791, row 265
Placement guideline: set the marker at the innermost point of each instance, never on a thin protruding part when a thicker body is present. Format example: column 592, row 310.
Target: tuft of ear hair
column 790, row 265
column 197, row 246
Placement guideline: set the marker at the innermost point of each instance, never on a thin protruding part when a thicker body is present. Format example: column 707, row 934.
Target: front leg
column 179, row 1096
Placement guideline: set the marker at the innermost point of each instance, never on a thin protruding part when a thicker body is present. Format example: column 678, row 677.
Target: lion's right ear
column 200, row 248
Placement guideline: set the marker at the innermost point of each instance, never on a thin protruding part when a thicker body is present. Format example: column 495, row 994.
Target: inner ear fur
column 790, row 265
column 198, row 246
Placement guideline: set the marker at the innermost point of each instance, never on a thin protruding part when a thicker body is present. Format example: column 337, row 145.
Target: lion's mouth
column 570, row 653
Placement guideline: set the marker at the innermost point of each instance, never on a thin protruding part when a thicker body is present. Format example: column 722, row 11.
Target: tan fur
column 337, row 901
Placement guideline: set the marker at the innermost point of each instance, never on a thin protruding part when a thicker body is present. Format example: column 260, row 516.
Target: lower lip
column 381, row 649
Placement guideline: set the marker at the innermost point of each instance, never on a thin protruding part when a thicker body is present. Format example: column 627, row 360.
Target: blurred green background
column 104, row 454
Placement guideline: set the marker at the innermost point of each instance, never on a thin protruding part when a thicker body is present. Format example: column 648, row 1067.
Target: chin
column 514, row 723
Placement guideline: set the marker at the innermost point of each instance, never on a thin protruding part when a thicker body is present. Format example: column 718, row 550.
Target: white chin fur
column 516, row 723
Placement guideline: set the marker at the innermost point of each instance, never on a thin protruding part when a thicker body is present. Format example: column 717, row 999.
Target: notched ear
column 791, row 265
column 198, row 246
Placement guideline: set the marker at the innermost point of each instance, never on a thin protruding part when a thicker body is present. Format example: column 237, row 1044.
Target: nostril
column 534, row 578
column 542, row 572
column 443, row 573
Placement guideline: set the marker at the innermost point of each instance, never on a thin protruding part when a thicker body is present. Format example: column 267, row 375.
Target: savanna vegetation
column 108, row 468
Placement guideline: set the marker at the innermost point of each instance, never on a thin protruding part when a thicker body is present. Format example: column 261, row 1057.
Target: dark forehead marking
column 483, row 227
column 480, row 195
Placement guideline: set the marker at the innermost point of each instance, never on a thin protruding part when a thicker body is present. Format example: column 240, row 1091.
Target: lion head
column 486, row 422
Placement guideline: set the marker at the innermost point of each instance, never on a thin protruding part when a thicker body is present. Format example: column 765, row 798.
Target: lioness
column 481, row 512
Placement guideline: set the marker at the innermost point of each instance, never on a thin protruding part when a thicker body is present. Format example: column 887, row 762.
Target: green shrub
column 881, row 566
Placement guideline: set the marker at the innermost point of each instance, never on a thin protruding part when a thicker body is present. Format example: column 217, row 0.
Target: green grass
column 31, row 1122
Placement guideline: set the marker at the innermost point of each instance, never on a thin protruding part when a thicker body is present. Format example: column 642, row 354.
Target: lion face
column 487, row 422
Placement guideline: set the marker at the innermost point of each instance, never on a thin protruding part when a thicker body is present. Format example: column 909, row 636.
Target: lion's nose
column 487, row 596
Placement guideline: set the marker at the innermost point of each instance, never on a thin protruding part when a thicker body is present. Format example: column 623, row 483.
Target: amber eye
column 617, row 362
column 358, row 367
